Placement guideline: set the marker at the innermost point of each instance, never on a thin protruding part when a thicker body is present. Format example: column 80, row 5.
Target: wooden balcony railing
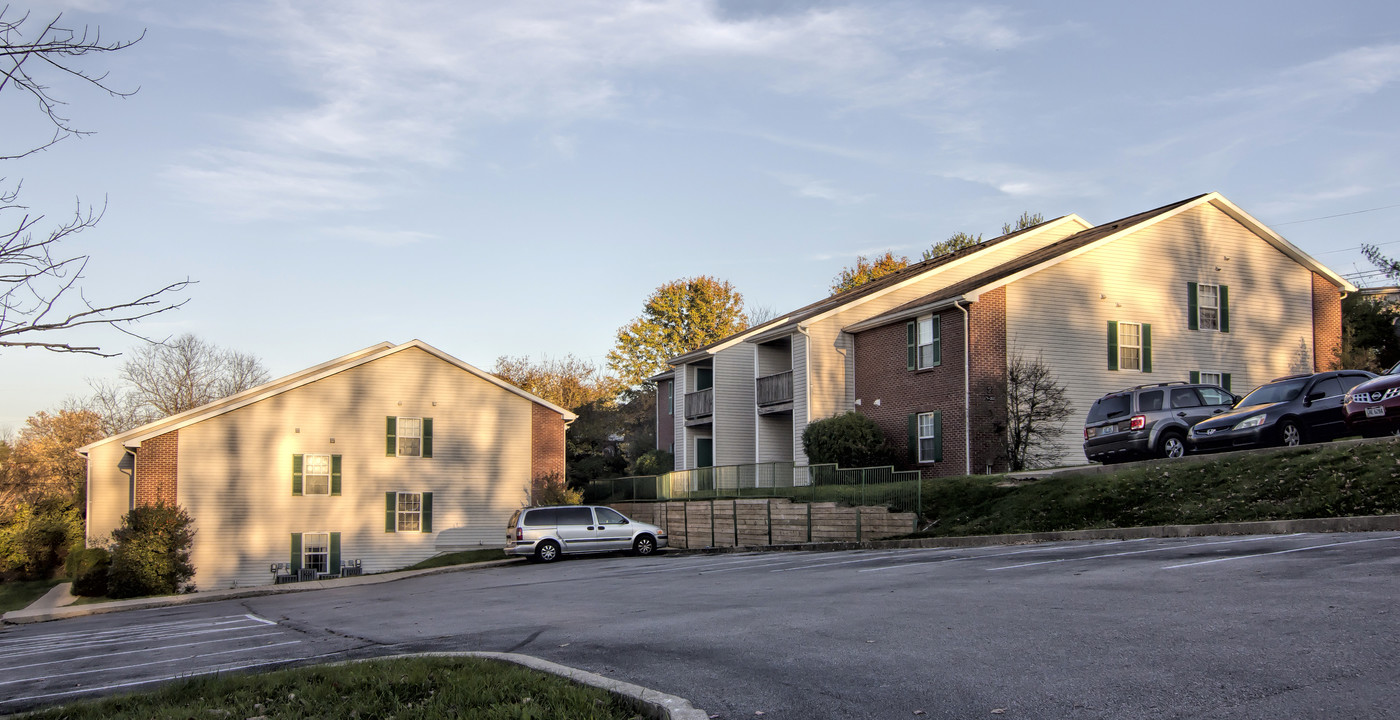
column 774, row 389
column 700, row 404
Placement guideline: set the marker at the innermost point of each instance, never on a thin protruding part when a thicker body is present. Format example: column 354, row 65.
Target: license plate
column 1375, row 411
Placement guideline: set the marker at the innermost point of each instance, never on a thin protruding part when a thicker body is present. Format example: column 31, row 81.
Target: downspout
column 967, row 390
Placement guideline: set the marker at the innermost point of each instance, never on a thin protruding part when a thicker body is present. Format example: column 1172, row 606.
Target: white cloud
column 809, row 187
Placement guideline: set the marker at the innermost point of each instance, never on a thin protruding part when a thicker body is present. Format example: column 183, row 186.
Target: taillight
column 519, row 533
column 1086, row 433
column 1137, row 422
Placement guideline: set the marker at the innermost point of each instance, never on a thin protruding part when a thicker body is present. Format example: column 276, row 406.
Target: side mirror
column 1312, row 396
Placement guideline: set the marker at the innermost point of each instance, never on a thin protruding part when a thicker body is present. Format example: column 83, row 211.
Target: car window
column 575, row 516
column 1215, row 396
column 513, row 518
column 1110, row 406
column 608, row 516
column 1329, row 387
column 1274, row 393
column 1185, row 398
column 1351, row 381
column 1150, row 400
column 540, row 518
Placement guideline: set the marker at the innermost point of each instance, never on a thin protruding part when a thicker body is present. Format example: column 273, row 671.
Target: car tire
column 1172, row 445
column 1290, row 434
column 547, row 551
column 644, row 545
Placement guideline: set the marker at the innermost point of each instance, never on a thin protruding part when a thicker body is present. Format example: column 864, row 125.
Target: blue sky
column 515, row 178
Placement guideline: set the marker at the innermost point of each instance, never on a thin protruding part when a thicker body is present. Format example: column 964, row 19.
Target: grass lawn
column 460, row 558
column 18, row 594
column 1313, row 481
column 426, row 688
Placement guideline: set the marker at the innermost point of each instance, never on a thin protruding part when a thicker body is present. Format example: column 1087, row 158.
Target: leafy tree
column 35, row 534
column 568, row 382
column 551, row 489
column 653, row 462
column 850, row 440
column 678, row 317
column 88, row 570
column 151, row 552
column 1036, row 406
column 954, row 243
column 1368, row 334
column 867, row 270
column 42, row 304
column 1027, row 219
column 163, row 379
column 44, row 460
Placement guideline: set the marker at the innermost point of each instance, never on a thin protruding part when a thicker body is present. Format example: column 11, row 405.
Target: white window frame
column 306, row 473
column 921, row 342
column 408, row 520
column 1123, row 346
column 1202, row 307
column 402, row 436
column 933, row 435
column 306, row 553
column 1210, row 377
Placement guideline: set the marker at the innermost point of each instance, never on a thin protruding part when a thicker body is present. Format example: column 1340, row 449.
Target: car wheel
column 1172, row 445
column 547, row 551
column 1289, row 434
column 644, row 545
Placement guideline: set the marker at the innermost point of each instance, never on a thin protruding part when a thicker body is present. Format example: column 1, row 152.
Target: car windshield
column 1111, row 406
column 1274, row 393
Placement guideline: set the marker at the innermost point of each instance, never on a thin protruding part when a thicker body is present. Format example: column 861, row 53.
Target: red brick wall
column 665, row 417
column 1327, row 324
column 546, row 442
column 157, row 470
column 881, row 374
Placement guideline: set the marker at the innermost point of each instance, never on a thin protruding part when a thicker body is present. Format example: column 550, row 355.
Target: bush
column 88, row 569
column 654, row 462
column 850, row 440
column 151, row 552
column 35, row 538
column 550, row 489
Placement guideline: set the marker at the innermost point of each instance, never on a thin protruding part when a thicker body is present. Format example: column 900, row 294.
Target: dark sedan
column 1373, row 407
column 1288, row 411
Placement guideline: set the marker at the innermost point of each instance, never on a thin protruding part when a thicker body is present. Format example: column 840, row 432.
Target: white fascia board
column 1084, row 225
column 729, row 342
column 913, row 312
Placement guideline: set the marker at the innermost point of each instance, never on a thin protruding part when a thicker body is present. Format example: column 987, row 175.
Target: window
column 930, row 443
column 408, row 436
column 1211, row 396
column 316, row 551
column 1129, row 346
column 925, row 342
column 1185, row 398
column 317, row 475
column 608, row 516
column 410, row 512
column 1211, row 378
column 1208, row 309
column 671, row 397
column 1150, row 401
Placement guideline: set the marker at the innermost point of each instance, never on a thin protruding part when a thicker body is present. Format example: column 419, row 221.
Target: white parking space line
column 867, row 558
column 148, row 664
column 1278, row 552
column 78, row 644
column 10, row 668
column 1057, row 546
column 133, row 631
column 181, row 676
column 1131, row 552
column 704, row 566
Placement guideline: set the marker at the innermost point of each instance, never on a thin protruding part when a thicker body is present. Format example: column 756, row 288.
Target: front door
column 704, row 452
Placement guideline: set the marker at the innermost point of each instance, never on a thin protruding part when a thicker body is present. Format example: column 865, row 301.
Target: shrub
column 550, row 489
column 654, row 462
column 151, row 552
column 849, row 440
column 88, row 569
column 36, row 535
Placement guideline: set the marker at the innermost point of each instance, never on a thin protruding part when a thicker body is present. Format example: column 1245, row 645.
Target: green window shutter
column 913, row 438
column 296, row 552
column 1225, row 381
column 391, row 508
column 937, row 340
column 911, row 330
column 427, row 437
column 937, row 435
column 1147, row 347
column 1224, row 308
column 427, row 517
column 1193, row 321
column 391, row 441
column 335, row 474
column 333, row 566
column 1195, row 376
column 296, row 474
column 1112, row 345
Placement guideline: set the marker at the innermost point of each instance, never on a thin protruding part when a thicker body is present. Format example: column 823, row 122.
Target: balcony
column 700, row 404
column 774, row 392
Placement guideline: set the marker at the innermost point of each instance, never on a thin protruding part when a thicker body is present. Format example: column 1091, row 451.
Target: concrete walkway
column 61, row 595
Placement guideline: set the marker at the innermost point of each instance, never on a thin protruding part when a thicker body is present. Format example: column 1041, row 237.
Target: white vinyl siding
column 1141, row 277
column 734, row 405
column 239, row 499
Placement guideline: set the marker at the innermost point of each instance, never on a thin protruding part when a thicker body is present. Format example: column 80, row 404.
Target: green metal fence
column 899, row 490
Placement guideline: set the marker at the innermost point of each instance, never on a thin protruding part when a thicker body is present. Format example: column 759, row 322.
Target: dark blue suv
column 1288, row 411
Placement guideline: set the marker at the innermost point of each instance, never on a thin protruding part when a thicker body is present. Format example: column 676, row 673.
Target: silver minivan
column 544, row 533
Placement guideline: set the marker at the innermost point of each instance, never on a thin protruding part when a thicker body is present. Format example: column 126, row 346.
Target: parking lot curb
column 652, row 704
column 38, row 613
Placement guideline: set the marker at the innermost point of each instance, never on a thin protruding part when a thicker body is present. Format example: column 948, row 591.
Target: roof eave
column 913, row 312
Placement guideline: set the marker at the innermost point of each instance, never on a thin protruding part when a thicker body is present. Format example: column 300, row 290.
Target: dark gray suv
column 1150, row 420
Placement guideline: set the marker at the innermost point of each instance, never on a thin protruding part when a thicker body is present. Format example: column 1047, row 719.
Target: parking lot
column 1270, row 626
